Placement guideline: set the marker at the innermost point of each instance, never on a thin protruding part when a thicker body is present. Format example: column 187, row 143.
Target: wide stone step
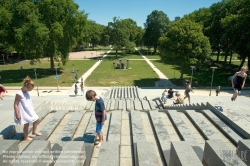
column 38, row 152
column 9, row 151
column 114, row 132
column 182, row 154
column 216, row 152
column 203, row 127
column 137, row 127
column 89, row 138
column 235, row 137
column 72, row 154
column 162, row 135
column 233, row 117
column 69, row 130
column 146, row 154
column 51, row 125
column 185, row 132
column 109, row 154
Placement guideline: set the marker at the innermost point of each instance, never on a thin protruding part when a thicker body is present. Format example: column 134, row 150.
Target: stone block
column 137, row 127
column 183, row 129
column 145, row 105
column 109, row 154
column 146, row 154
column 235, row 137
column 51, row 125
column 137, row 104
column 181, row 153
column 115, row 127
column 243, row 151
column 8, row 151
column 37, row 153
column 216, row 152
column 128, row 105
column 120, row 104
column 205, row 129
column 72, row 154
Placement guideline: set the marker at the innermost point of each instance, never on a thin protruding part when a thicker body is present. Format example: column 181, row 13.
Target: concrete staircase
column 136, row 132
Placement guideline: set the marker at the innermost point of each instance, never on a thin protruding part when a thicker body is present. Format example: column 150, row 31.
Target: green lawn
column 140, row 74
column 201, row 78
column 11, row 75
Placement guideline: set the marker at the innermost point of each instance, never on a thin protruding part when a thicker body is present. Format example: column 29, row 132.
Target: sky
column 103, row 11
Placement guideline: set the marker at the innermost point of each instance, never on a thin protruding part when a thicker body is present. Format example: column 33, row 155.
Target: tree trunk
column 231, row 55
column 243, row 61
column 52, row 62
column 226, row 54
column 155, row 49
column 116, row 54
column 218, row 55
column 182, row 71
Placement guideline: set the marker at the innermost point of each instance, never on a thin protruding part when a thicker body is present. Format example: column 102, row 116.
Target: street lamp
column 213, row 69
column 56, row 77
column 35, row 67
column 192, row 67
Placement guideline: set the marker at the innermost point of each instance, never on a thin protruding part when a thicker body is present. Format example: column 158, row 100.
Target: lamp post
column 192, row 68
column 35, row 67
column 213, row 69
column 57, row 79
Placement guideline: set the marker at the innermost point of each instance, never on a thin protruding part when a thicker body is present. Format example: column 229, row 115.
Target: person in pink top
column 2, row 91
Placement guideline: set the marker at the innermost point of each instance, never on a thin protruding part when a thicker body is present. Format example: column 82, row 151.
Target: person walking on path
column 100, row 113
column 2, row 91
column 24, row 111
column 188, row 90
column 239, row 83
column 82, row 90
column 217, row 90
column 76, row 89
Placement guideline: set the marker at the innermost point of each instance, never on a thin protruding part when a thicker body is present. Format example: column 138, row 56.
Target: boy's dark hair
column 90, row 94
column 171, row 88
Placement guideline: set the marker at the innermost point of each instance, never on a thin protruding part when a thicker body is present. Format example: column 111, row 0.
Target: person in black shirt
column 170, row 93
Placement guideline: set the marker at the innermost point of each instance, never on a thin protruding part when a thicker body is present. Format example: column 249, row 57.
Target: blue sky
column 103, row 11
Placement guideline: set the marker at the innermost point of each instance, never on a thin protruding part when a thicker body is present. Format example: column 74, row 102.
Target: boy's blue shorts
column 98, row 127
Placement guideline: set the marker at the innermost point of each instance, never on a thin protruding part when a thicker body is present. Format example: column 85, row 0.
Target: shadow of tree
column 17, row 76
column 146, row 82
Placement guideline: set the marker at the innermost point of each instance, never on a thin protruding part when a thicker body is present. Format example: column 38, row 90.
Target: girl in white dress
column 24, row 111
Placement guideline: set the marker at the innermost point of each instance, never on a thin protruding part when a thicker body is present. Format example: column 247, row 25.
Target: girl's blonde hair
column 244, row 68
column 28, row 82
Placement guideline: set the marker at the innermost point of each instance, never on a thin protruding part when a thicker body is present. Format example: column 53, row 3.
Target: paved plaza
column 139, row 130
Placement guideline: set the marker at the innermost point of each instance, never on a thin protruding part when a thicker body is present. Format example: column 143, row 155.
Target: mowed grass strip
column 12, row 75
column 140, row 74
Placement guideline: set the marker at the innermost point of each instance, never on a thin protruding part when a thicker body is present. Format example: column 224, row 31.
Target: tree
column 5, row 24
column 31, row 35
column 118, row 33
column 139, row 37
column 237, row 28
column 185, row 42
column 65, row 24
column 93, row 32
column 156, row 25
